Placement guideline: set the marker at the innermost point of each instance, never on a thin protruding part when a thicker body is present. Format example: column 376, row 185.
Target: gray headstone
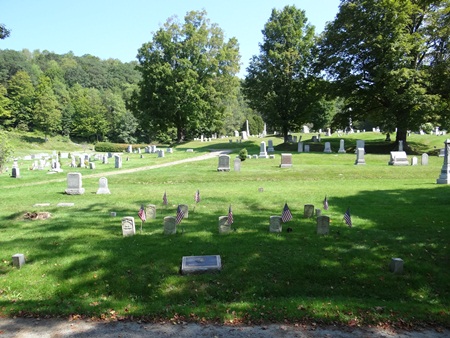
column 237, row 164
column 306, row 148
column 74, row 184
column 327, row 148
column 396, row 265
column 360, row 157
column 200, row 264
column 161, row 153
column 286, row 161
column 398, row 158
column 18, row 260
column 170, row 225
column 224, row 227
column 262, row 150
column 91, row 165
column 444, row 177
column 15, row 172
column 128, row 226
column 308, row 210
column 400, row 145
column 130, row 149
column 341, row 146
column 270, row 148
column 275, row 224
column 105, row 159
column 185, row 209
column 424, row 159
column 117, row 162
column 300, row 147
column 150, row 211
column 103, row 186
column 224, row 163
column 323, row 225
column 360, row 144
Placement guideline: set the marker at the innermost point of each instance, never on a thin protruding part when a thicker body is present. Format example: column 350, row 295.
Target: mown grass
column 78, row 262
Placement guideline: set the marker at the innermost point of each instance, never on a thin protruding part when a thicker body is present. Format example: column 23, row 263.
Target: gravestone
column 103, row 186
column 294, row 139
column 396, row 265
column 441, row 152
column 128, row 226
column 18, row 260
column 327, row 148
column 130, row 149
column 286, row 161
column 323, row 225
column 236, row 133
column 262, row 150
column 444, row 177
column 185, row 209
column 308, row 210
column 398, row 158
column 360, row 157
column 306, row 148
column 275, row 224
column 414, row 160
column 244, row 135
column 424, row 159
column 224, row 227
column 360, row 144
column 200, row 264
column 318, row 212
column 270, row 148
column 170, row 225
column 400, row 145
column 91, row 165
column 150, row 211
column 117, row 162
column 153, row 149
column 15, row 172
column 170, row 150
column 237, row 164
column 341, row 146
column 224, row 163
column 300, row 147
column 74, row 184
column 64, row 204
column 105, row 159
column 161, row 153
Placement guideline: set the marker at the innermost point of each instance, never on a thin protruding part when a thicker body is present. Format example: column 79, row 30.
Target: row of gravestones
column 224, row 162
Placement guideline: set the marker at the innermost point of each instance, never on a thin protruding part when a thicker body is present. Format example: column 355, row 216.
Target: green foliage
column 5, row 150
column 107, row 147
column 243, row 153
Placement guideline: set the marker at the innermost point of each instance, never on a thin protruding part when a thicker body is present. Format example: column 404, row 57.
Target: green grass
column 78, row 262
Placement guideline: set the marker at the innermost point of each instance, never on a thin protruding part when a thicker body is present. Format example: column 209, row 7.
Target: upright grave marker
column 275, row 224
column 150, row 211
column 360, row 156
column 398, row 158
column 128, row 226
column 341, row 146
column 74, row 184
column 286, row 161
column 262, row 150
column 308, row 210
column 170, row 225
column 237, row 164
column 103, row 186
column 224, row 163
column 323, row 225
column 444, row 177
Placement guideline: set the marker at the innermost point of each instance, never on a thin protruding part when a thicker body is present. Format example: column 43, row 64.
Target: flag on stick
column 286, row 215
column 165, row 198
column 141, row 214
column 230, row 216
column 325, row 203
column 348, row 218
column 180, row 215
column 197, row 196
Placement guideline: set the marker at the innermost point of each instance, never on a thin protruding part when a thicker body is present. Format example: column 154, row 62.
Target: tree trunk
column 180, row 134
column 401, row 136
column 285, row 133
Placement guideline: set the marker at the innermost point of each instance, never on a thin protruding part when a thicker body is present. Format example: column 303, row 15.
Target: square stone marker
column 18, row 260
column 200, row 264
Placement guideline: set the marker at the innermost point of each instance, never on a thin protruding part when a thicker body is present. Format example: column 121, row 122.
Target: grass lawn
column 78, row 262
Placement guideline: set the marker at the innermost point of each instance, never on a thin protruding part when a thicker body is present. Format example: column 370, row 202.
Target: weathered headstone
column 327, row 148
column 400, row 145
column 224, row 163
column 237, row 164
column 414, row 160
column 341, row 146
column 300, row 147
column 128, row 226
column 262, row 150
column 18, row 260
column 360, row 144
column 270, row 148
column 224, row 227
column 74, row 184
column 424, row 159
column 130, row 149
column 105, row 159
column 360, row 157
column 118, row 162
column 91, row 165
column 398, row 158
column 185, row 209
column 444, row 177
column 244, row 135
column 161, row 153
column 306, row 148
column 275, row 224
column 308, row 210
column 396, row 265
column 150, row 211
column 103, row 186
column 286, row 161
column 15, row 172
column 323, row 225
column 170, row 225
column 200, row 264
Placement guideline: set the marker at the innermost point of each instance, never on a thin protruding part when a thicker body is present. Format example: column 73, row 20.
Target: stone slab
column 200, row 264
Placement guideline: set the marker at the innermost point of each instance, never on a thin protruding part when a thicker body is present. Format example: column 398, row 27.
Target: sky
column 118, row 28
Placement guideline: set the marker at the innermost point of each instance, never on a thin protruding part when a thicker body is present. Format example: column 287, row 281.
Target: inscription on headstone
column 150, row 211
column 308, row 210
column 74, row 184
column 128, row 226
column 323, row 225
column 224, row 163
column 286, row 161
column 275, row 224
column 170, row 225
column 200, row 264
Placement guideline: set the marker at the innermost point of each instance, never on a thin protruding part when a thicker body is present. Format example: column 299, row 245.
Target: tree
column 46, row 114
column 4, row 32
column 5, row 149
column 187, row 70
column 376, row 54
column 279, row 83
column 21, row 94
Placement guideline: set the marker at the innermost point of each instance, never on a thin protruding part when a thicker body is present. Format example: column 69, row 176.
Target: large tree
column 187, row 72
column 46, row 114
column 376, row 54
column 279, row 83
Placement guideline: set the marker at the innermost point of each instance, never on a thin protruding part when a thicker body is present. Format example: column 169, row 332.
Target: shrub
column 243, row 154
column 110, row 147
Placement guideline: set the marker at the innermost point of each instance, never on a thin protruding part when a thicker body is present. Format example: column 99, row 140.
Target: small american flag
column 230, row 216
column 197, row 196
column 165, row 198
column 141, row 214
column 348, row 218
column 325, row 203
column 180, row 215
column 286, row 215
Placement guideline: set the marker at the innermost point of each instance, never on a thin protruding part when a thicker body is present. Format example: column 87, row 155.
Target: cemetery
column 96, row 258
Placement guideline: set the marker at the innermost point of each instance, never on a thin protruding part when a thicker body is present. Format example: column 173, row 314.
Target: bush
column 106, row 147
column 243, row 154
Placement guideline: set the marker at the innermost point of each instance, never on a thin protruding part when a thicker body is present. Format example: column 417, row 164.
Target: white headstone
column 341, row 146
column 128, row 226
column 237, row 164
column 224, row 163
column 244, row 135
column 360, row 157
column 118, row 162
column 424, row 158
column 103, row 186
column 414, row 160
column 444, row 177
column 74, row 184
column 398, row 158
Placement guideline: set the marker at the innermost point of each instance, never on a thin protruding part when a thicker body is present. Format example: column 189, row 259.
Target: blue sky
column 117, row 29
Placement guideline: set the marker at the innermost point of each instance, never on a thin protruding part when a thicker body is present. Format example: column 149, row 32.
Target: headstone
column 185, row 209
column 18, row 260
column 224, row 227
column 414, row 160
column 262, row 150
column 327, row 148
column 91, row 165
column 424, row 159
column 318, row 212
column 306, row 148
column 103, row 186
column 270, row 148
column 247, row 128
column 295, row 139
column 271, row 156
column 161, row 153
column 244, row 135
column 105, row 159
column 360, row 157
column 308, row 210
column 200, row 264
column 396, row 265
column 442, row 152
column 15, row 172
column 237, row 164
column 275, row 224
column 300, row 147
column 153, row 149
column 236, row 133
column 190, row 150
column 170, row 150
column 74, row 184
column 444, row 177
column 128, row 227
column 323, row 225
column 139, row 150
column 400, row 145
column 224, row 163
column 118, row 162
column 314, row 138
column 360, row 144
column 341, row 146
column 398, row 158
column 286, row 161
column 64, row 204
column 130, row 149
column 150, row 211
column 170, row 225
